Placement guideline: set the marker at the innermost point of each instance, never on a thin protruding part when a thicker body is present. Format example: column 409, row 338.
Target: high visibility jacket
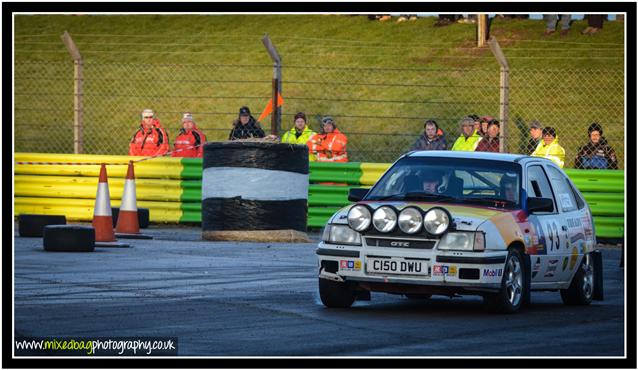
column 149, row 142
column 290, row 137
column 329, row 147
column 553, row 151
column 467, row 144
column 189, row 143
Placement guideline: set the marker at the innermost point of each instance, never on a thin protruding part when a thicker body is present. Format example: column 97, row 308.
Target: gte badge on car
column 459, row 223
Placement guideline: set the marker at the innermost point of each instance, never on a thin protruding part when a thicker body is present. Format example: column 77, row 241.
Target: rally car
column 463, row 223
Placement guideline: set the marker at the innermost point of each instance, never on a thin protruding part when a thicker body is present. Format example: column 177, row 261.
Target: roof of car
column 473, row 155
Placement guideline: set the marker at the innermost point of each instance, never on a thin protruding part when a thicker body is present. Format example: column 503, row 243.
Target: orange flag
column 268, row 109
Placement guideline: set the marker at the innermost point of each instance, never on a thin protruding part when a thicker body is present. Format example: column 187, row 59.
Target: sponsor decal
column 492, row 272
column 349, row 265
column 537, row 267
column 440, row 270
column 565, row 259
column 573, row 259
column 551, row 268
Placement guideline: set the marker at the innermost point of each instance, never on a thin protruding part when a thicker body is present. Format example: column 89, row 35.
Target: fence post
column 78, row 91
column 275, row 122
column 504, row 90
column 482, row 30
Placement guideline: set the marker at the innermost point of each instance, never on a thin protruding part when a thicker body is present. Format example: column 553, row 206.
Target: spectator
column 300, row 133
column 536, row 134
column 490, row 142
column 150, row 139
column 596, row 154
column 430, row 139
column 329, row 145
column 477, row 122
column 245, row 126
column 551, row 21
column 190, row 140
column 482, row 131
column 469, row 137
column 549, row 147
column 594, row 23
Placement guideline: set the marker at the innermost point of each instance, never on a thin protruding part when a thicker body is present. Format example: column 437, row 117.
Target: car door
column 572, row 211
column 545, row 254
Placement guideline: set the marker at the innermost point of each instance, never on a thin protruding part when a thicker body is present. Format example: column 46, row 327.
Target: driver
column 508, row 188
column 432, row 181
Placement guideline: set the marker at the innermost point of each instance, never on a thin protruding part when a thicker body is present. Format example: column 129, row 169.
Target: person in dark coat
column 490, row 143
column 430, row 139
column 245, row 127
column 597, row 154
column 535, row 137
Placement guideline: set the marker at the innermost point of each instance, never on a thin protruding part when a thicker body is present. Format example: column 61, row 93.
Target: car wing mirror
column 356, row 194
column 540, row 205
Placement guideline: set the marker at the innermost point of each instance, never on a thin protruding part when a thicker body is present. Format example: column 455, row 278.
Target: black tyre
column 418, row 296
column 32, row 225
column 581, row 289
column 143, row 216
column 335, row 294
column 513, row 290
column 69, row 238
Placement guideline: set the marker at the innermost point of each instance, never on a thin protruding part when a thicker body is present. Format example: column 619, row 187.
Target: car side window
column 538, row 184
column 564, row 193
column 580, row 202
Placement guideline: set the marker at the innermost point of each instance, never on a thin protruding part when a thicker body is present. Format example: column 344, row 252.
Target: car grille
column 400, row 243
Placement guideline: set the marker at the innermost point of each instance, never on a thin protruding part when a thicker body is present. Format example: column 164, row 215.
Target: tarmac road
column 253, row 299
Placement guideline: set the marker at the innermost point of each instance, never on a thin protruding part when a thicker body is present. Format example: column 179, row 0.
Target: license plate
column 398, row 266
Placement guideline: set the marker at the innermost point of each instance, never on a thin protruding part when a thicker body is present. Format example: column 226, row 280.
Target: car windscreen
column 455, row 180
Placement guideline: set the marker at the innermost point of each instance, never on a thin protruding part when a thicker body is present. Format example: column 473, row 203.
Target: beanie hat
column 147, row 112
column 328, row 119
column 467, row 121
column 187, row 117
column 300, row 115
column 595, row 126
column 486, row 118
column 550, row 131
column 535, row 124
column 244, row 111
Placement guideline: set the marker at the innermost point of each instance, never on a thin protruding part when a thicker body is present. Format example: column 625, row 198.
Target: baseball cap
column 467, row 121
column 535, row 124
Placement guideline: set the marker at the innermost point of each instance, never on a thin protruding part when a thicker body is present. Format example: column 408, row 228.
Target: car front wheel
column 510, row 297
column 336, row 294
column 581, row 289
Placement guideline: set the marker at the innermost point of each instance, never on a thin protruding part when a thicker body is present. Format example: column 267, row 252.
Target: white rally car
column 448, row 223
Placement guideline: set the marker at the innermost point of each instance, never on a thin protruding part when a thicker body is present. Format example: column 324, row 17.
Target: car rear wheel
column 581, row 289
column 510, row 297
column 335, row 294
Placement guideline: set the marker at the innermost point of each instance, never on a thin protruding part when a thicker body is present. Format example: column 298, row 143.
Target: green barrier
column 192, row 169
column 322, row 195
column 349, row 173
column 318, row 216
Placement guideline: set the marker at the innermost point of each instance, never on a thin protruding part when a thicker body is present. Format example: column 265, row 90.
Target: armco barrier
column 171, row 188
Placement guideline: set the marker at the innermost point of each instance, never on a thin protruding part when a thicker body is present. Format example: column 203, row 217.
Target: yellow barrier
column 371, row 172
column 157, row 168
column 82, row 209
column 86, row 187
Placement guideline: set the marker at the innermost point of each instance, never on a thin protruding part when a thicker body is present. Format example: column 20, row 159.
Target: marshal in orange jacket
column 329, row 147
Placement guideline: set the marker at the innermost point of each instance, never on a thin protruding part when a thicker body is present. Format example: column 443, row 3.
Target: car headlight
column 410, row 220
column 462, row 241
column 341, row 234
column 436, row 221
column 384, row 219
column 359, row 218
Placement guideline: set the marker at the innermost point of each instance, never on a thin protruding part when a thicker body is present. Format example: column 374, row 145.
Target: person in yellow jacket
column 469, row 138
column 549, row 147
column 299, row 134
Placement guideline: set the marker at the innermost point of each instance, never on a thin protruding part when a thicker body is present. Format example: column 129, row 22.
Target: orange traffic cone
column 128, row 225
column 102, row 218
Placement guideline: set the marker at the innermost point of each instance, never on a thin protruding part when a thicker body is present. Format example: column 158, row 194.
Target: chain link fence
column 381, row 110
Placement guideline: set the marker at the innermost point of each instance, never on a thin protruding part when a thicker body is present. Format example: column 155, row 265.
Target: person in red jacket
column 190, row 140
column 329, row 145
column 150, row 139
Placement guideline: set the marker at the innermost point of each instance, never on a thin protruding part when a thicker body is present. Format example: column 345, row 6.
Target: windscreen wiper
column 490, row 200
column 418, row 195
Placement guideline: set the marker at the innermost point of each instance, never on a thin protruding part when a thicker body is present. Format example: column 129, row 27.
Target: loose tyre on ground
column 581, row 290
column 32, row 225
column 335, row 294
column 510, row 298
column 69, row 238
